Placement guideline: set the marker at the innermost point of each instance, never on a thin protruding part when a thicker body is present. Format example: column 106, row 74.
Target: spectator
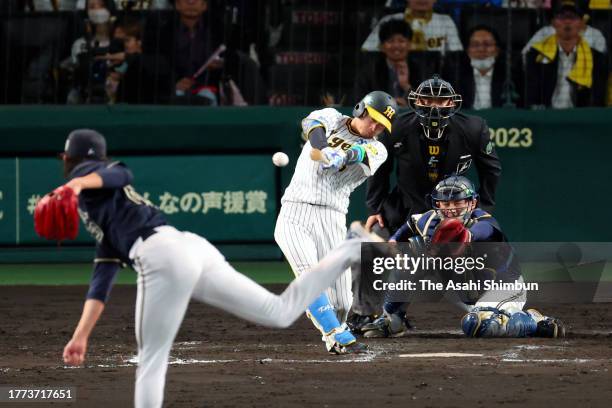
column 431, row 31
column 392, row 71
column 563, row 71
column 132, row 4
column 90, row 70
column 592, row 35
column 183, row 45
column 481, row 74
column 132, row 78
column 180, row 46
column 53, row 5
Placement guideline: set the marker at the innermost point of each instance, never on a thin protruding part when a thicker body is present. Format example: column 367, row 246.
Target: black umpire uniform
column 422, row 163
column 428, row 144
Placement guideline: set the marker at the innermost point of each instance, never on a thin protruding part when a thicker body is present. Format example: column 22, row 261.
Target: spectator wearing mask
column 431, row 31
column 392, row 71
column 90, row 70
column 563, row 71
column 481, row 74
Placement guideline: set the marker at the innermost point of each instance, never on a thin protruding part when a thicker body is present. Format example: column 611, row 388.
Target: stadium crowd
column 529, row 53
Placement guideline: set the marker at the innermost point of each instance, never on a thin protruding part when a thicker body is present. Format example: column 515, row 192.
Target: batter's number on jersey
column 336, row 141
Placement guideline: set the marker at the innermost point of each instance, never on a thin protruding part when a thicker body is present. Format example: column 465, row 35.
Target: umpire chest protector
column 421, row 163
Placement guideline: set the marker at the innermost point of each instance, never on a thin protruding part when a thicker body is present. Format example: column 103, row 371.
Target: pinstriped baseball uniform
column 312, row 220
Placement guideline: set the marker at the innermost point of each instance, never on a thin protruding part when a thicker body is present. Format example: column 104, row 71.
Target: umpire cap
column 85, row 144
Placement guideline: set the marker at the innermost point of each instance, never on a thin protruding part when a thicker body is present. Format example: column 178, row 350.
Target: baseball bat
column 318, row 156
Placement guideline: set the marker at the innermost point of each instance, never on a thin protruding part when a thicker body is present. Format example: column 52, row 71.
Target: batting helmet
column 434, row 102
column 453, row 188
column 380, row 106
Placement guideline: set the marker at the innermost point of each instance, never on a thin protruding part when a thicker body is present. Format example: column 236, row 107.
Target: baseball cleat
column 550, row 327
column 547, row 326
column 352, row 348
column 387, row 326
column 357, row 230
column 356, row 322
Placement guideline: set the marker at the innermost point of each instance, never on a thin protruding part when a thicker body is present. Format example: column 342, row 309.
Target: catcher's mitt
column 56, row 216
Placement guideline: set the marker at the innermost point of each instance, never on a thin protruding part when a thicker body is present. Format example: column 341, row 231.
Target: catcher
column 456, row 219
column 173, row 266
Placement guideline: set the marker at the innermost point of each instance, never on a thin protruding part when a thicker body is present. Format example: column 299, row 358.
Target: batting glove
column 336, row 159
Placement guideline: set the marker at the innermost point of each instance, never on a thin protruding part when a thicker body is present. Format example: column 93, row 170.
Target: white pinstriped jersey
column 439, row 33
column 313, row 185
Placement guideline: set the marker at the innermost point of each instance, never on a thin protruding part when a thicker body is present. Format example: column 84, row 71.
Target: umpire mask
column 434, row 102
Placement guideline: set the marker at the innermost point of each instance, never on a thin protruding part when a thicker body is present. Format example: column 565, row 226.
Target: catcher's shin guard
column 491, row 322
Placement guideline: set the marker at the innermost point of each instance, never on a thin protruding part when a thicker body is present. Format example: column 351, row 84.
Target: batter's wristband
column 355, row 154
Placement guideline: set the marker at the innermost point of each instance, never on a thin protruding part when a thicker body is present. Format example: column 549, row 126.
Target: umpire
column 428, row 143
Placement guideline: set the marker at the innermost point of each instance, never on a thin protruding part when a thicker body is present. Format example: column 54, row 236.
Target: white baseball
column 280, row 159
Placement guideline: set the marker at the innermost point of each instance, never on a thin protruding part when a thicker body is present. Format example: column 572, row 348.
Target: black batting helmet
column 380, row 106
column 434, row 102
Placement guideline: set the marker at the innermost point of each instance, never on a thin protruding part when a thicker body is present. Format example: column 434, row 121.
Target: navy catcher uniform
column 493, row 313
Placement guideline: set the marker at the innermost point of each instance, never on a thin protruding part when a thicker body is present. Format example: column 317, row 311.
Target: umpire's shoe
column 357, row 322
column 352, row 348
column 388, row 325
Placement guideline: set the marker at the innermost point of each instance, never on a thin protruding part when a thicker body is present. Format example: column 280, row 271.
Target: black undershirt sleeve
column 317, row 137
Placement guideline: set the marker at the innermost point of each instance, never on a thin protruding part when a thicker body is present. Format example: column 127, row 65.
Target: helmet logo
column 434, row 124
column 389, row 112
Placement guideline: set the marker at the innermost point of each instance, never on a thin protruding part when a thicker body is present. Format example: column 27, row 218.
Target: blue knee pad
column 491, row 322
column 322, row 312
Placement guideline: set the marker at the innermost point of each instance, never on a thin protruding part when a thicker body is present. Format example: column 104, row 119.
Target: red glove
column 56, row 216
column 450, row 230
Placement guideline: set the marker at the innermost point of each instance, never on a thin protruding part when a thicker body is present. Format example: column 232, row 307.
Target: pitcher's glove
column 56, row 216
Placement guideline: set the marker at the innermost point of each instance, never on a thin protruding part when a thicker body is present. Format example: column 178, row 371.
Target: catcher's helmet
column 453, row 188
column 85, row 144
column 434, row 102
column 380, row 106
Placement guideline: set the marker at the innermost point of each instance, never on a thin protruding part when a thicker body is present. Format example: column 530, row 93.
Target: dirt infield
column 221, row 361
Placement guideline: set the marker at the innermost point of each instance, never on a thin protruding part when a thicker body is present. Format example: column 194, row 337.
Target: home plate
column 436, row 355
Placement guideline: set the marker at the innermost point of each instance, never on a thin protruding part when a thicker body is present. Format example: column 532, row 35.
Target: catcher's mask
column 451, row 189
column 380, row 106
column 434, row 102
column 85, row 144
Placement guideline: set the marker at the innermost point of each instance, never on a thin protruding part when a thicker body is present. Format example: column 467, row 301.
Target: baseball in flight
column 280, row 159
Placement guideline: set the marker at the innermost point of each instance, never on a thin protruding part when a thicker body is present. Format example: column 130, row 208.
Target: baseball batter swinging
column 312, row 219
column 173, row 266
